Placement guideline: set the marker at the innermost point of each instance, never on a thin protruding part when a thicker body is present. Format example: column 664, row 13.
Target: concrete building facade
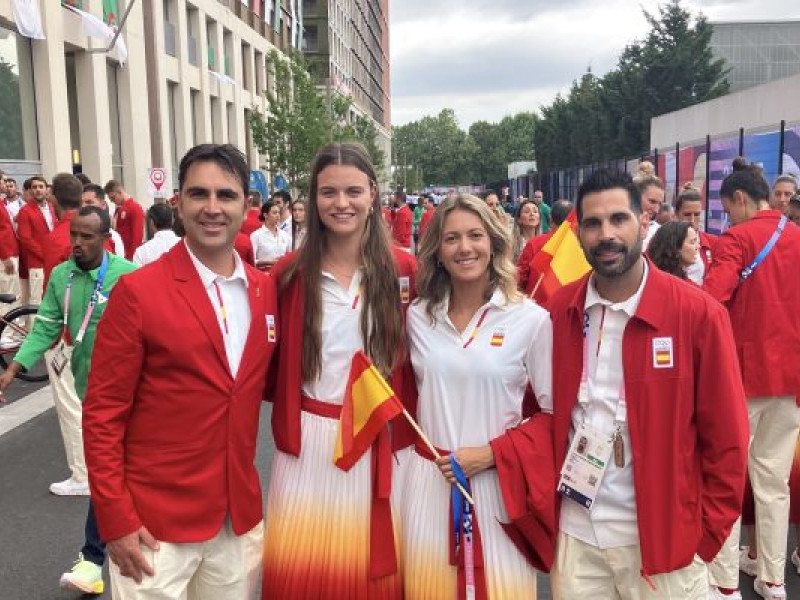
column 194, row 70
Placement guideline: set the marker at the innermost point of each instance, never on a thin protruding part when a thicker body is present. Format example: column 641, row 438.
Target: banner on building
column 28, row 19
column 111, row 13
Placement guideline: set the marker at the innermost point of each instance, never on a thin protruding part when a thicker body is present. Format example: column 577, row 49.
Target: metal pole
column 781, row 147
column 708, row 181
column 116, row 33
column 741, row 141
column 677, row 171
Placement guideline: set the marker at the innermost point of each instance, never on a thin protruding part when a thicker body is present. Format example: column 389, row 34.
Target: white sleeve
column 539, row 363
column 119, row 245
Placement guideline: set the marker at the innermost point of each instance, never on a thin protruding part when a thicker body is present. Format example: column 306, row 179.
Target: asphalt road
column 40, row 534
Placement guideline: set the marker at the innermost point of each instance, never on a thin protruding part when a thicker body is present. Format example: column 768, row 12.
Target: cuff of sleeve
column 114, row 522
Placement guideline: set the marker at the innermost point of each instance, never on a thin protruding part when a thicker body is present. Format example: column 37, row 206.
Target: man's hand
column 127, row 554
column 8, row 376
column 472, row 461
column 8, row 266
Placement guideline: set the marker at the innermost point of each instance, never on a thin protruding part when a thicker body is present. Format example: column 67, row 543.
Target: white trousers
column 35, row 286
column 9, row 284
column 774, row 427
column 69, row 409
column 583, row 572
column 226, row 567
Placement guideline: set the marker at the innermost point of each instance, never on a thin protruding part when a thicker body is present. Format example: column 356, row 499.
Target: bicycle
column 18, row 321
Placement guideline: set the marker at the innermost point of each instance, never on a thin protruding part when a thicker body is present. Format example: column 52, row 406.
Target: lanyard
column 222, row 310
column 101, row 274
column 765, row 250
column 463, row 525
column 477, row 328
column 621, row 413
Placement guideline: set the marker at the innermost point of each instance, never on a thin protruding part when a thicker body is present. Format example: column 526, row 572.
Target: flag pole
column 536, row 287
column 435, row 452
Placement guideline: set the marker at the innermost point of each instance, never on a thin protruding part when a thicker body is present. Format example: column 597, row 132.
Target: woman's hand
column 472, row 461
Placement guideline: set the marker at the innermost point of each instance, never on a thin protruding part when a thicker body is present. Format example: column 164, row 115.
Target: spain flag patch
column 498, row 337
column 663, row 356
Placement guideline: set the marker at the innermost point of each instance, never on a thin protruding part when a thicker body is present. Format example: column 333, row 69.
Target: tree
column 13, row 144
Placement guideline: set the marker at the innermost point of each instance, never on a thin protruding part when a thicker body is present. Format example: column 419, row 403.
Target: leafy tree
column 12, row 146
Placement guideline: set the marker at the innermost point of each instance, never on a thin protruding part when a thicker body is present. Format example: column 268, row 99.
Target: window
column 17, row 99
column 114, row 122
column 172, row 101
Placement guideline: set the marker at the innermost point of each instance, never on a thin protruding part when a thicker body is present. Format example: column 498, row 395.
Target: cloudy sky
column 491, row 58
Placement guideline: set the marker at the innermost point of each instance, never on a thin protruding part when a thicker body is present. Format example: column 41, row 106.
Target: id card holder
column 60, row 359
column 585, row 466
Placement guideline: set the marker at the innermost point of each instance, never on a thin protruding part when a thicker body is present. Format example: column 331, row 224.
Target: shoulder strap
column 765, row 250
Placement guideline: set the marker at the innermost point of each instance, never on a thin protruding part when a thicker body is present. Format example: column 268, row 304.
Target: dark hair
column 255, row 198
column 746, row 177
column 689, row 193
column 605, row 179
column 105, row 220
column 665, row 247
column 161, row 216
column 83, row 178
column 265, row 208
column 283, row 195
column 67, row 189
column 26, row 185
column 560, row 211
column 226, row 156
column 112, row 186
column 485, row 195
column 35, row 178
column 96, row 189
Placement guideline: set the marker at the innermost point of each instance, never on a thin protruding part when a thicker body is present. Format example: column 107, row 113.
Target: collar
column 208, row 277
column 497, row 300
column 629, row 306
column 92, row 273
column 167, row 234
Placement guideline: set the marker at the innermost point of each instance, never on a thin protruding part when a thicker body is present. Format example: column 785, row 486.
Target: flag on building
column 28, row 19
column 560, row 261
column 369, row 404
column 111, row 13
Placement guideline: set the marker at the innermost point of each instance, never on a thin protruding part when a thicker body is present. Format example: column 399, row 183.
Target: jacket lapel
column 257, row 334
column 190, row 287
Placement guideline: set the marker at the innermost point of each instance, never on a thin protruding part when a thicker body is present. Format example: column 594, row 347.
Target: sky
column 490, row 58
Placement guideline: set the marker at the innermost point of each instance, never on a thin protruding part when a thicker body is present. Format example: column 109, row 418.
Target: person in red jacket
column 67, row 191
column 9, row 246
column 170, row 419
column 252, row 221
column 646, row 384
column 754, row 274
column 34, row 222
column 527, row 275
column 128, row 219
column 425, row 221
column 402, row 221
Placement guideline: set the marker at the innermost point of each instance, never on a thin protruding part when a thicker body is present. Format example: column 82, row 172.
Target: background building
column 347, row 45
column 757, row 51
column 194, row 70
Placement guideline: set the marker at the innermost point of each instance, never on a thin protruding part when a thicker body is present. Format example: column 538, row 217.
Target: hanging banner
column 111, row 13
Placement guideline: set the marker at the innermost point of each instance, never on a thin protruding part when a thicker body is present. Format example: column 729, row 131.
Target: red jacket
column 286, row 412
column 244, row 247
column 251, row 222
column 169, row 434
column 688, row 424
column 764, row 308
column 707, row 244
column 401, row 226
column 527, row 275
column 33, row 231
column 129, row 223
column 9, row 246
column 425, row 221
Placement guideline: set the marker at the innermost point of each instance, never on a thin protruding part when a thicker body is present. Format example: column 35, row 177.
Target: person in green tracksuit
column 85, row 281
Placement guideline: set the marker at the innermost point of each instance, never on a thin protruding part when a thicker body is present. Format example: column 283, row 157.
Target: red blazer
column 764, row 308
column 689, row 424
column 33, row 231
column 169, row 434
column 401, row 226
column 707, row 244
column 9, row 246
column 286, row 412
column 129, row 220
column 251, row 222
column 425, row 221
column 244, row 247
column 527, row 275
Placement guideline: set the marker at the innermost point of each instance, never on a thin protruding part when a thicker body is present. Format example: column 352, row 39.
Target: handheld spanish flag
column 560, row 261
column 369, row 404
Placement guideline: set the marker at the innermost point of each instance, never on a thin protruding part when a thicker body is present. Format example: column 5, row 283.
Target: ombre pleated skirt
column 423, row 503
column 316, row 537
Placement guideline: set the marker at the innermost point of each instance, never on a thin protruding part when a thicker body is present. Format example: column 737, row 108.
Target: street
column 42, row 533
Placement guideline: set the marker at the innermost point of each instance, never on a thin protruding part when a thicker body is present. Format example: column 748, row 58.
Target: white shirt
column 13, row 207
column 119, row 245
column 150, row 251
column 697, row 272
column 612, row 520
column 48, row 216
column 286, row 227
column 234, row 323
column 340, row 332
column 651, row 231
column 468, row 396
column 268, row 245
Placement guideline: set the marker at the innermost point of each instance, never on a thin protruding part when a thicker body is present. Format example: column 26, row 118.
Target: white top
column 612, row 521
column 270, row 246
column 341, row 338
column 13, row 207
column 286, row 227
column 162, row 242
column 468, row 396
column 48, row 216
column 119, row 245
column 697, row 272
column 233, row 290
column 651, row 231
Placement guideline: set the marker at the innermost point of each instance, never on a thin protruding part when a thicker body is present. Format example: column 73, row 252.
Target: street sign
column 157, row 185
column 258, row 183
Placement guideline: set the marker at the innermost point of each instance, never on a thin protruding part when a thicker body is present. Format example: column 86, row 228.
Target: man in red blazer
column 171, row 413
column 9, row 247
column 129, row 218
column 34, row 223
column 252, row 222
column 402, row 222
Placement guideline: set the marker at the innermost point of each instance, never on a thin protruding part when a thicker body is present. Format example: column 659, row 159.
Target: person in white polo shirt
column 270, row 242
column 159, row 223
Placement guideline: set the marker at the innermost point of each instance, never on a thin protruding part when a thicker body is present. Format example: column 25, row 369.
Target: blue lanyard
column 765, row 250
column 101, row 275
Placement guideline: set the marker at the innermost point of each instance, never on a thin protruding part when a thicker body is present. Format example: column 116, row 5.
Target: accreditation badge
column 271, row 337
column 405, row 289
column 585, row 466
column 60, row 358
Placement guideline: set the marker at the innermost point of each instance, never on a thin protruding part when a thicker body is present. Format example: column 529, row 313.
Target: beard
column 630, row 256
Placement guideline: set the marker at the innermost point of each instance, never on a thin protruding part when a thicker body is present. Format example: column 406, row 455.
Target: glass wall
column 17, row 99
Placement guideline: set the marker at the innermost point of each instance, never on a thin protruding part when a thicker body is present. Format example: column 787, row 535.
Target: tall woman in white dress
column 474, row 343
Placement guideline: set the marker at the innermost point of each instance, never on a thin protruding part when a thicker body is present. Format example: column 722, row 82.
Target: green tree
column 10, row 116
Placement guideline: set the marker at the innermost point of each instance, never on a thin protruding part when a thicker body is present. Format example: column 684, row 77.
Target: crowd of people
column 606, row 436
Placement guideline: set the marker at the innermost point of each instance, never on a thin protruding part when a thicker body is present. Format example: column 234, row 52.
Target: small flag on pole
column 369, row 404
column 560, row 261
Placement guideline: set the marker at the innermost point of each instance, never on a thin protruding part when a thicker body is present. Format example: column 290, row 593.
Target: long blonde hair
column 381, row 315
column 433, row 281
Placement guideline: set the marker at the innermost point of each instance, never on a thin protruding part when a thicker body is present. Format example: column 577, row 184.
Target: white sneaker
column 796, row 561
column 85, row 577
column 715, row 594
column 70, row 487
column 769, row 593
column 747, row 565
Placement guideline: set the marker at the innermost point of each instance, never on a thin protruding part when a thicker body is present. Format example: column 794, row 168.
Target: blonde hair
column 433, row 280
column 646, row 176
